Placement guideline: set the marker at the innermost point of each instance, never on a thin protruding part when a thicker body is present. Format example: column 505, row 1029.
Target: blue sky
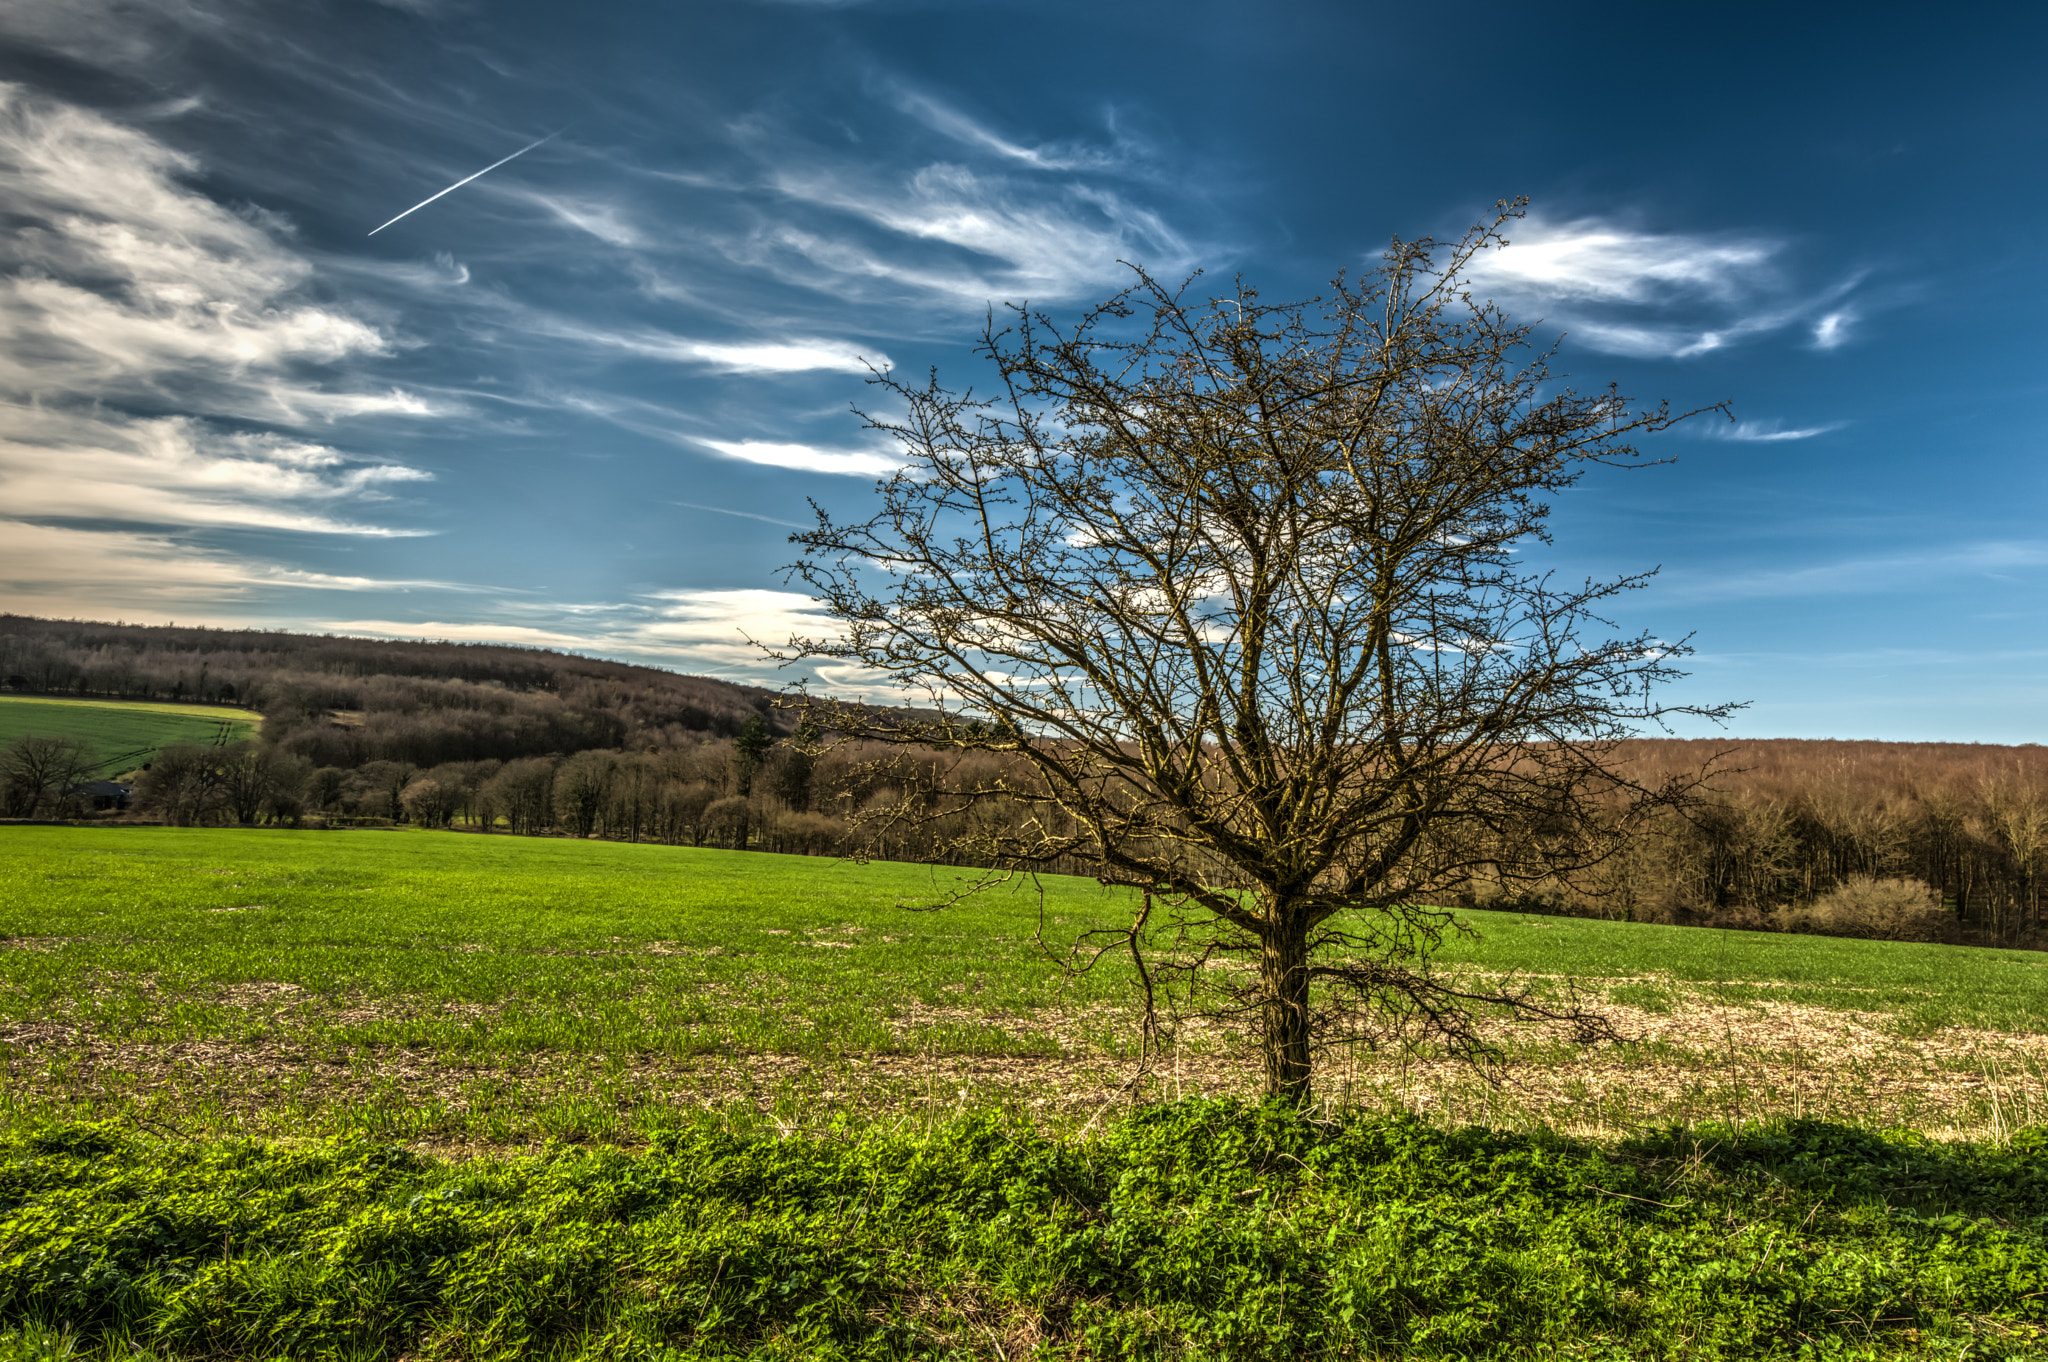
column 575, row 401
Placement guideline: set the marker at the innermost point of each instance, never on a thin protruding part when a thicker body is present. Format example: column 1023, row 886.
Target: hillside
column 123, row 734
column 346, row 702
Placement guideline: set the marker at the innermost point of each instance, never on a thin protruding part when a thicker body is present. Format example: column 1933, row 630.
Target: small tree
column 184, row 785
column 749, row 747
column 252, row 775
column 38, row 772
column 1235, row 588
column 431, row 801
column 583, row 789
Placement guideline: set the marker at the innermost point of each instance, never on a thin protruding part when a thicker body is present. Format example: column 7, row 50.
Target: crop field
column 464, row 990
column 384, row 1094
column 123, row 734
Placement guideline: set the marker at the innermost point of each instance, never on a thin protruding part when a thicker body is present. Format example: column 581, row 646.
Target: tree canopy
column 1235, row 595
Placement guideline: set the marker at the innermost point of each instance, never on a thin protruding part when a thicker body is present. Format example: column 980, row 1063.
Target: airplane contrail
column 459, row 183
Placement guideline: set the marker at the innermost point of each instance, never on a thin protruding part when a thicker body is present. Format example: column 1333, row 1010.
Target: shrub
column 1886, row 910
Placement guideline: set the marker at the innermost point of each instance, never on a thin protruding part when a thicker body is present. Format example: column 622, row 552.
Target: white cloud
column 1594, row 260
column 944, row 119
column 68, row 572
column 106, row 33
column 704, row 631
column 809, row 459
column 1015, row 241
column 605, row 221
column 1833, row 329
column 177, row 472
column 121, row 283
column 1766, row 431
column 1669, row 295
column 777, row 356
column 123, row 294
column 788, row 357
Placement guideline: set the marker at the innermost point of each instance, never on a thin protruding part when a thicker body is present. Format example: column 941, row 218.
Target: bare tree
column 38, row 772
column 1235, row 586
column 256, row 777
column 184, row 785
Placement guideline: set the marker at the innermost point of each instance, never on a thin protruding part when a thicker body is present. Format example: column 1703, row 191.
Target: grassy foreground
column 267, row 1094
column 123, row 734
column 1203, row 1229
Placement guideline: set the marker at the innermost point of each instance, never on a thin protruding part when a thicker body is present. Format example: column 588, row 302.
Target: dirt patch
column 260, row 993
column 1702, row 1059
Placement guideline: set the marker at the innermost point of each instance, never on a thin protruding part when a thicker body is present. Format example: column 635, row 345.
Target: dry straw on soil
column 1702, row 1058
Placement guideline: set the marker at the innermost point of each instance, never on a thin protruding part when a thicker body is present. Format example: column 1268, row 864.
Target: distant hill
column 123, row 734
column 346, row 701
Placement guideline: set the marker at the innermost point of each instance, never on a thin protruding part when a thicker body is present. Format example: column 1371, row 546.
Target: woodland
column 1925, row 841
column 346, row 702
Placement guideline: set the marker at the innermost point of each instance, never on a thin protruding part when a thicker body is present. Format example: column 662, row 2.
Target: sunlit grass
column 123, row 734
column 489, row 989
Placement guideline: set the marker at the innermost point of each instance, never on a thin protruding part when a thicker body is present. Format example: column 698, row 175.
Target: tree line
column 1930, row 841
column 348, row 702
column 1926, row 840
column 1908, row 840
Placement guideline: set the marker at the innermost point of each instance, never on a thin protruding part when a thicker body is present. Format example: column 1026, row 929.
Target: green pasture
column 606, row 945
column 494, row 989
column 123, row 734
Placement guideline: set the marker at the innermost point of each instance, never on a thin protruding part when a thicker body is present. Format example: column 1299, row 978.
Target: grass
column 1197, row 1230
column 123, row 734
column 380, row 1094
column 470, row 990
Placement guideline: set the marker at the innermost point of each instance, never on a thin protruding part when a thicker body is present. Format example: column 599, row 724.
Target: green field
column 123, row 734
column 491, row 989
column 379, row 1094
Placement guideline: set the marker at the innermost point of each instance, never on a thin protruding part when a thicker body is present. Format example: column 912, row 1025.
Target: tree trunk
column 1283, row 1011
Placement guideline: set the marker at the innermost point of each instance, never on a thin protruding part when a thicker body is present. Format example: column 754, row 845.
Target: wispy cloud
column 782, row 357
column 715, row 632
column 1591, row 259
column 1667, row 295
column 124, row 293
column 1012, row 241
column 122, row 283
column 1860, row 575
column 609, row 222
column 943, row 118
column 779, row 355
column 71, row 572
column 808, row 458
column 174, row 471
column 1765, row 431
column 1833, row 330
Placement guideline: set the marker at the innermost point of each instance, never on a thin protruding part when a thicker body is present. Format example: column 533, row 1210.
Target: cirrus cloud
column 1656, row 295
column 156, row 349
column 808, row 458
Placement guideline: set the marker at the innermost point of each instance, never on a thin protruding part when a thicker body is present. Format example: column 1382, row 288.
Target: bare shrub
column 727, row 821
column 430, row 802
column 1886, row 910
column 807, row 834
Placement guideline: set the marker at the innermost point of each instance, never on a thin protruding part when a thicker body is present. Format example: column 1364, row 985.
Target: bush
column 809, row 834
column 1883, row 910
